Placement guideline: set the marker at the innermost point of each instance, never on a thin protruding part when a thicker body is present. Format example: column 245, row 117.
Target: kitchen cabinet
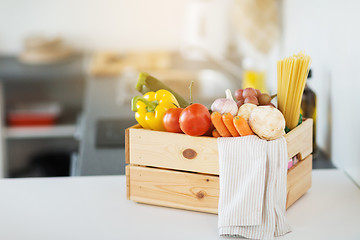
column 102, row 145
column 62, row 83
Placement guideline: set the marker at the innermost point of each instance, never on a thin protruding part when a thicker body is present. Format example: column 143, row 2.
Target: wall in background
column 94, row 24
column 328, row 31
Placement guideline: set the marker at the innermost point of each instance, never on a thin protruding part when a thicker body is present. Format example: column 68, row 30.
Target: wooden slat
column 299, row 180
column 175, row 189
column 127, row 173
column 127, row 146
column 299, row 140
column 200, row 192
column 165, row 150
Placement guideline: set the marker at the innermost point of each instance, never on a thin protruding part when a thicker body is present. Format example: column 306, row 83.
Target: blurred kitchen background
column 68, row 71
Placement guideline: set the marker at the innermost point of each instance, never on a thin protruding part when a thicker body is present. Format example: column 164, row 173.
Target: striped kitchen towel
column 252, row 199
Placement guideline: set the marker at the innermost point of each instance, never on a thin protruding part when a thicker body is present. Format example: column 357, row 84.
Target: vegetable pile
column 162, row 109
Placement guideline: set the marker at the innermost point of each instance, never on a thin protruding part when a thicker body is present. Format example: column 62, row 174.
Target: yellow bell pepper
column 150, row 108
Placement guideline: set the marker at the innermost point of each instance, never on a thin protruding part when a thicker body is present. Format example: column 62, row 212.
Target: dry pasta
column 291, row 77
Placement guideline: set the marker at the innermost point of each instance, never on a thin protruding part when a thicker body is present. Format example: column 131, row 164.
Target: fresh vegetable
column 249, row 92
column 210, row 130
column 247, row 95
column 171, row 120
column 270, row 104
column 195, row 120
column 216, row 119
column 252, row 99
column 150, row 108
column 239, row 94
column 242, row 127
column 254, row 96
column 240, row 103
column 228, row 121
column 148, row 83
column 225, row 105
column 264, row 99
column 215, row 133
column 245, row 110
column 267, row 122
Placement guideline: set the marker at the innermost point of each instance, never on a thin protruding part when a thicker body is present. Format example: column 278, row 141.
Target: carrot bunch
column 228, row 126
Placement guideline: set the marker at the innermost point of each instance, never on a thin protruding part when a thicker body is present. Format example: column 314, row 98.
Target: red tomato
column 209, row 131
column 171, row 120
column 195, row 120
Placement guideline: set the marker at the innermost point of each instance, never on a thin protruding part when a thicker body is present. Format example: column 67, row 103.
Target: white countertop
column 96, row 208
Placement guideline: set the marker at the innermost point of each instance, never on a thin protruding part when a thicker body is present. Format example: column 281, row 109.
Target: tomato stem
column 191, row 96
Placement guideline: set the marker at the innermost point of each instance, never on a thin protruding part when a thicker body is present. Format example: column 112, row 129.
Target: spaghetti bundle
column 291, row 76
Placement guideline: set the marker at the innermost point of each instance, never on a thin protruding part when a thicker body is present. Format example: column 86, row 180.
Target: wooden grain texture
column 299, row 140
column 168, row 150
column 127, row 146
column 127, row 173
column 299, row 180
column 200, row 192
column 175, row 189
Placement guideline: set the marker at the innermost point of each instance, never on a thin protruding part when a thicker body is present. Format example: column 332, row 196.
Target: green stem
column 150, row 106
column 191, row 96
column 147, row 83
column 141, row 85
column 273, row 96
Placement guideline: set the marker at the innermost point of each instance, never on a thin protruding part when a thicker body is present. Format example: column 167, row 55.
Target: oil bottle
column 308, row 107
column 254, row 75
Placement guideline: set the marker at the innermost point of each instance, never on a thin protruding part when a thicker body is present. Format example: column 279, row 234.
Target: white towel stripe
column 252, row 187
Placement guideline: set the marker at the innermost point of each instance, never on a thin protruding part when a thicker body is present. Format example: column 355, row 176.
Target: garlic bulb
column 225, row 105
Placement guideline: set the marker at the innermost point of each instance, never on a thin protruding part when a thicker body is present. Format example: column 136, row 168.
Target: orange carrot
column 219, row 125
column 215, row 133
column 228, row 121
column 242, row 126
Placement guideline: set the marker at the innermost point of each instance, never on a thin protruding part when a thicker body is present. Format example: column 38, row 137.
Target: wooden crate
column 180, row 171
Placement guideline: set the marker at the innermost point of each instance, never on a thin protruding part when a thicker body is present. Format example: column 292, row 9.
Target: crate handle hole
column 299, row 157
column 189, row 153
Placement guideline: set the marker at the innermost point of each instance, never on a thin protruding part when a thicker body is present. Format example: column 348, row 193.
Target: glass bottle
column 308, row 108
column 254, row 74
